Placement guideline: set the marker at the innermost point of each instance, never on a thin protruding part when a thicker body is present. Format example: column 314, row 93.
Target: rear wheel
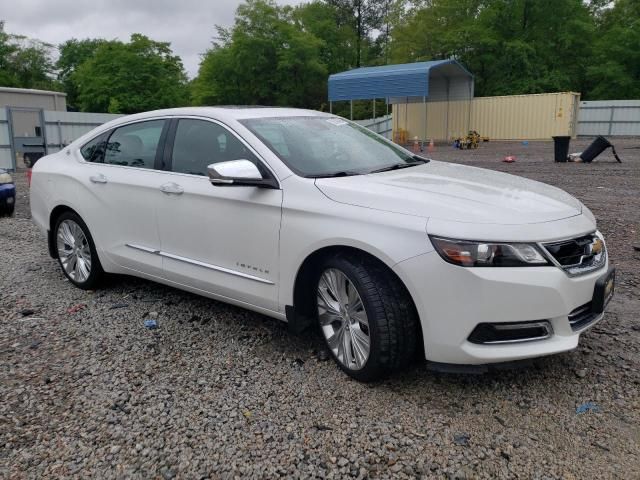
column 366, row 317
column 76, row 251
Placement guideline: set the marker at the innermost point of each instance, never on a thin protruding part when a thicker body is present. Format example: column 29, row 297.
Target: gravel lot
column 219, row 392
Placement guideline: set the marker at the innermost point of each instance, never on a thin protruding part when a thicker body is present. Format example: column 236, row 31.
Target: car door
column 122, row 176
column 220, row 239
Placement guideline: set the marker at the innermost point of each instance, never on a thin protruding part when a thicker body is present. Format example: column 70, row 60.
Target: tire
column 391, row 319
column 70, row 230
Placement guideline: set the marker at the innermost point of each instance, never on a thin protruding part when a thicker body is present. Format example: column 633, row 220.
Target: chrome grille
column 580, row 255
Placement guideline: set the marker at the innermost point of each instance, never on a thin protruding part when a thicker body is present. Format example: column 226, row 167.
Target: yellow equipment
column 471, row 140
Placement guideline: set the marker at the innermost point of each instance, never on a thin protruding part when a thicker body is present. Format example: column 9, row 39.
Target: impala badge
column 252, row 267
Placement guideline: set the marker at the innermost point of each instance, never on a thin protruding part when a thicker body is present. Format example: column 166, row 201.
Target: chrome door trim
column 144, row 249
column 199, row 263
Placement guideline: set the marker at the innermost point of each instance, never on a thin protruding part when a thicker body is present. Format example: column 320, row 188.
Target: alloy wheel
column 74, row 251
column 343, row 319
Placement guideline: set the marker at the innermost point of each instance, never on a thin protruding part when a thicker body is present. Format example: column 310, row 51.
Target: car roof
column 231, row 112
column 224, row 114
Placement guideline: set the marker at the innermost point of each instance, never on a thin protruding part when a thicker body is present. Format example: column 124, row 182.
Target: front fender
column 311, row 221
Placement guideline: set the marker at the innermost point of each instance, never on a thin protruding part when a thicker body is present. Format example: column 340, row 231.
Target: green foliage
column 336, row 36
column 614, row 72
column 24, row 62
column 282, row 55
column 74, row 53
column 511, row 46
column 130, row 77
column 363, row 16
column 267, row 58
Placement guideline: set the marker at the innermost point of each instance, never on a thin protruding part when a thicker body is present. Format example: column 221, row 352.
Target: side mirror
column 238, row 173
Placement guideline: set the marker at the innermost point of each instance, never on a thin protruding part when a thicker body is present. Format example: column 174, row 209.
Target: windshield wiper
column 398, row 166
column 341, row 173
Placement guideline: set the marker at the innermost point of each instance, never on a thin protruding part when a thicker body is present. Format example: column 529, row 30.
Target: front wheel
column 77, row 252
column 366, row 317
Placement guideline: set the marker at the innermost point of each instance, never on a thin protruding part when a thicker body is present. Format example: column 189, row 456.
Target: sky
column 187, row 24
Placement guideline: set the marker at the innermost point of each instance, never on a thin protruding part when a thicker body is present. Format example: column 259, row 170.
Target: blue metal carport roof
column 404, row 80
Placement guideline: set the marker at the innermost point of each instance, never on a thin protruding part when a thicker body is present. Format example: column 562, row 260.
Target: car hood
column 454, row 192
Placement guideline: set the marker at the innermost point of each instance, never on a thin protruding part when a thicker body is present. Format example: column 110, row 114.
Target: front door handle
column 100, row 178
column 172, row 189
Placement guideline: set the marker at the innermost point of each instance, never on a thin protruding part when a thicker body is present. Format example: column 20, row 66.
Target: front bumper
column 451, row 301
column 7, row 194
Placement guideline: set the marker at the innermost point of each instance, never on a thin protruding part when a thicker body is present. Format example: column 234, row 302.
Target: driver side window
column 199, row 143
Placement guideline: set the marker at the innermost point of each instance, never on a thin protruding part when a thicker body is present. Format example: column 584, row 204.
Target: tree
column 24, row 62
column 364, row 16
column 337, row 38
column 264, row 59
column 511, row 46
column 130, row 77
column 8, row 49
column 74, row 53
column 614, row 71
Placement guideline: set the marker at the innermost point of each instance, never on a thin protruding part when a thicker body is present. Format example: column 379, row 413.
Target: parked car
column 7, row 194
column 309, row 218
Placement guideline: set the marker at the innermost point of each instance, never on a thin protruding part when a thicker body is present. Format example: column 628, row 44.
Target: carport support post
column 470, row 106
column 351, row 105
column 446, row 128
column 330, row 106
column 374, row 108
column 406, row 120
column 424, row 139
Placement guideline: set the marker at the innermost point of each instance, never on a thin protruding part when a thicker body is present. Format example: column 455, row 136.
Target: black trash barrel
column 599, row 145
column 561, row 148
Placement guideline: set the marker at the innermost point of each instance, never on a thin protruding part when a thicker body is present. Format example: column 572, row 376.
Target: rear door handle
column 172, row 189
column 100, row 178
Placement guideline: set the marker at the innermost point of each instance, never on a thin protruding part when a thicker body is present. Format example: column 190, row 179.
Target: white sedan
column 312, row 219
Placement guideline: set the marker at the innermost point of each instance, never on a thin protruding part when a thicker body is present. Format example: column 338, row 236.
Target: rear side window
column 134, row 145
column 199, row 143
column 94, row 150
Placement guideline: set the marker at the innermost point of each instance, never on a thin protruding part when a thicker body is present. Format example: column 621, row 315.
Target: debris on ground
column 509, row 159
column 151, row 323
column 117, row 306
column 76, row 308
column 587, row 407
column 323, row 355
column 461, row 439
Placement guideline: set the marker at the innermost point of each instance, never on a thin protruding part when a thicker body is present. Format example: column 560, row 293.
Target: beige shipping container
column 514, row 117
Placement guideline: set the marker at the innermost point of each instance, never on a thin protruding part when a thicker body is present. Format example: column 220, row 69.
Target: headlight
column 5, row 178
column 488, row 254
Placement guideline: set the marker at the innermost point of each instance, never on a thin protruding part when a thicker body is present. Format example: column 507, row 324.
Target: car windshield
column 328, row 146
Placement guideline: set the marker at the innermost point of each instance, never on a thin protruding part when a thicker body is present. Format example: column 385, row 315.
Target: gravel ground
column 220, row 392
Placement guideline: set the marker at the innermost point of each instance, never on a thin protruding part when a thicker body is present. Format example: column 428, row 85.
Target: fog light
column 494, row 333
